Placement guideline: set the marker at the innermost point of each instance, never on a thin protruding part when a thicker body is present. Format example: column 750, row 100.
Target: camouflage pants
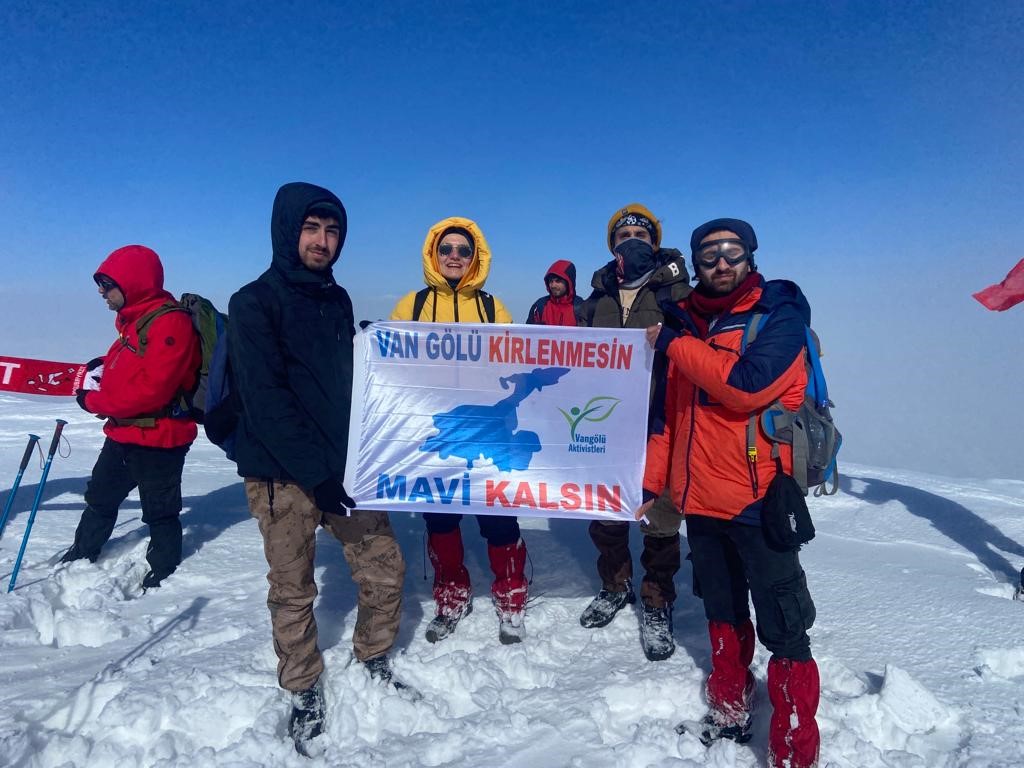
column 288, row 518
column 660, row 558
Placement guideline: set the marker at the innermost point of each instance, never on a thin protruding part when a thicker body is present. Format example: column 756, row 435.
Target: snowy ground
column 918, row 639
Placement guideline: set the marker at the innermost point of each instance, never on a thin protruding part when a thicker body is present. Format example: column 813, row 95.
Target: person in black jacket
column 290, row 349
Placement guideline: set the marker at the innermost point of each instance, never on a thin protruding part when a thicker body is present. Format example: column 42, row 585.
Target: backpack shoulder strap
column 488, row 302
column 143, row 323
column 419, row 302
column 754, row 324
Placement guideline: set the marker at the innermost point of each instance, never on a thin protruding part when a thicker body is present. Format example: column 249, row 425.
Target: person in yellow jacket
column 456, row 261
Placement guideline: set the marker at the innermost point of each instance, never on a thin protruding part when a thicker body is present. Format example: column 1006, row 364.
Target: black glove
column 331, row 497
column 93, row 364
column 80, row 398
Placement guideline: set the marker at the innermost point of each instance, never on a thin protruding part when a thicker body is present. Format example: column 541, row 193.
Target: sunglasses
column 464, row 251
column 105, row 283
column 733, row 251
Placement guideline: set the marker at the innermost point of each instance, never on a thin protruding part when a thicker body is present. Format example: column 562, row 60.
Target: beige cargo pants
column 288, row 518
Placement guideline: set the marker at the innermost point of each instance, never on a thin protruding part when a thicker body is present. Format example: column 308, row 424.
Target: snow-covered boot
column 794, row 690
column 509, row 589
column 511, row 628
column 708, row 731
column 441, row 626
column 307, row 720
column 656, row 632
column 451, row 583
column 602, row 609
column 730, row 686
column 380, row 670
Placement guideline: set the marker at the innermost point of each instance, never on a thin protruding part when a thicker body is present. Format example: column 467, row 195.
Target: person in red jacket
column 730, row 496
column 154, row 360
column 560, row 305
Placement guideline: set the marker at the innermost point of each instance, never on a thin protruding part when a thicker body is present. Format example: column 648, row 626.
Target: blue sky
column 876, row 148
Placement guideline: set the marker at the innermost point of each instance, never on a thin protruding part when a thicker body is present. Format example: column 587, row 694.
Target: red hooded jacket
column 135, row 385
column 561, row 311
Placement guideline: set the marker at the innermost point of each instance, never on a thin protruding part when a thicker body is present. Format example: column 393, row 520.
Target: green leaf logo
column 597, row 409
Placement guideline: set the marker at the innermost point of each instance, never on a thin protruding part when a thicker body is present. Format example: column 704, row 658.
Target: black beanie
column 458, row 231
column 326, row 210
column 743, row 231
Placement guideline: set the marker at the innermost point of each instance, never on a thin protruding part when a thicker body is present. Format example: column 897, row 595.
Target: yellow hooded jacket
column 463, row 304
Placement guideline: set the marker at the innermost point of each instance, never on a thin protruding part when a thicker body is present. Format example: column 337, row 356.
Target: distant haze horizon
column 876, row 148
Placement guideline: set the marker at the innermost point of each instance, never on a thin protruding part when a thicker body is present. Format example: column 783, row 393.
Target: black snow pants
column 731, row 561
column 120, row 468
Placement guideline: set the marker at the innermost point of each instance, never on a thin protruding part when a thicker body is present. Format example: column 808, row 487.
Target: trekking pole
column 39, row 497
column 32, row 440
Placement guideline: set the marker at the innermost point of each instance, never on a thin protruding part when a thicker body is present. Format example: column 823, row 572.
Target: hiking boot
column 708, row 731
column 152, row 580
column 511, row 628
column 380, row 670
column 76, row 553
column 307, row 720
column 602, row 609
column 441, row 626
column 656, row 632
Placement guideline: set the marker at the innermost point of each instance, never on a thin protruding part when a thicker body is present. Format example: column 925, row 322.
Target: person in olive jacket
column 290, row 348
column 628, row 293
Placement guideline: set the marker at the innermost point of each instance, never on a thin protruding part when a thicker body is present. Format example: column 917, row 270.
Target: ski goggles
column 733, row 251
column 464, row 251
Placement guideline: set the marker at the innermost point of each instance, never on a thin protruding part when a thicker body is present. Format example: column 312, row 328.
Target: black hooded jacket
column 290, row 347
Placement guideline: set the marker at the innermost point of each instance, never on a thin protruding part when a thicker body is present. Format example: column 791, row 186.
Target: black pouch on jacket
column 785, row 521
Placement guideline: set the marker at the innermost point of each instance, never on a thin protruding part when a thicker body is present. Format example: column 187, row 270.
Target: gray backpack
column 810, row 429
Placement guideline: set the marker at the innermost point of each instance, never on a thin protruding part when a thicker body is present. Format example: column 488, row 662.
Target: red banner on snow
column 1005, row 294
column 40, row 377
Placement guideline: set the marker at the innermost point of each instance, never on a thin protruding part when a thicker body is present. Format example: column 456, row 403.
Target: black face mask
column 638, row 258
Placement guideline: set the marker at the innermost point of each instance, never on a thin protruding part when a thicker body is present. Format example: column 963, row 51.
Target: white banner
column 525, row 420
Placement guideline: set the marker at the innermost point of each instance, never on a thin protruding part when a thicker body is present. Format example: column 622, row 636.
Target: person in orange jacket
column 730, row 496
column 154, row 359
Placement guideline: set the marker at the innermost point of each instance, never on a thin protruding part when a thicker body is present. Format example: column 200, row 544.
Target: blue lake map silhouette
column 472, row 431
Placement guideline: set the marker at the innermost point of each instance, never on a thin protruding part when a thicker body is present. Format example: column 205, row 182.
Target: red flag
column 1005, row 294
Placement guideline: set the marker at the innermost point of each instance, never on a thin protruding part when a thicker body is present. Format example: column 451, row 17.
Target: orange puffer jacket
column 138, row 385
column 699, row 446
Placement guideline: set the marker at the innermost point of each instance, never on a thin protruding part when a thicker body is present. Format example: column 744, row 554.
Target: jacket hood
column 291, row 204
column 775, row 293
column 567, row 271
column 672, row 270
column 137, row 271
column 479, row 268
